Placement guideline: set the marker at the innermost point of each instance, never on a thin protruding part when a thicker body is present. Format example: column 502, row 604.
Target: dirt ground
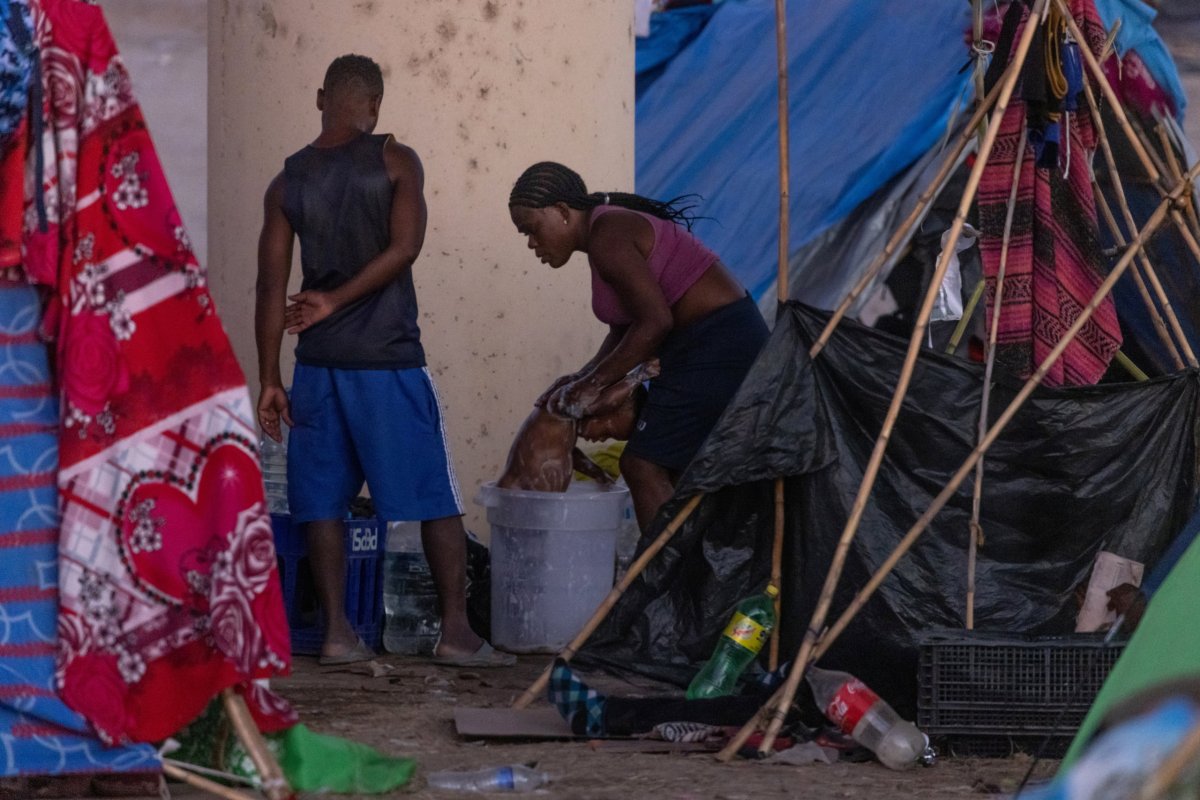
column 409, row 710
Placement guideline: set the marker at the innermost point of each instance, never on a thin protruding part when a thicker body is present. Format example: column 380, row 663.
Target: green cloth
column 1165, row 647
column 315, row 762
column 311, row 762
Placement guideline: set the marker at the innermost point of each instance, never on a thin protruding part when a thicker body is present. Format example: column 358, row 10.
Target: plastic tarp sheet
column 1077, row 470
column 871, row 89
column 1137, row 33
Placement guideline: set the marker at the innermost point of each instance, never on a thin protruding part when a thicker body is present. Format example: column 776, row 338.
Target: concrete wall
column 481, row 89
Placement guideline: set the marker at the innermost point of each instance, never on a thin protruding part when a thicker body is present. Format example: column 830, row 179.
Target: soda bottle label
column 504, row 778
column 746, row 632
column 849, row 704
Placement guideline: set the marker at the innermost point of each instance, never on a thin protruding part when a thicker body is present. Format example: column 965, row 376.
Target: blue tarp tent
column 872, row 88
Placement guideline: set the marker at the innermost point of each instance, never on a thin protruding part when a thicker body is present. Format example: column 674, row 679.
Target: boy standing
column 362, row 403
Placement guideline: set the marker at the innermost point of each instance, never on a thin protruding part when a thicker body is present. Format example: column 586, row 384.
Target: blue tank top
column 338, row 200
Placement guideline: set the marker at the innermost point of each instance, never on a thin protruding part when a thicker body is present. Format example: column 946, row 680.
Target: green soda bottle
column 743, row 637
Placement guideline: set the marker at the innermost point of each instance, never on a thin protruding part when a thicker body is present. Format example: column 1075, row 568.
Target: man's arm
column 274, row 267
column 407, row 235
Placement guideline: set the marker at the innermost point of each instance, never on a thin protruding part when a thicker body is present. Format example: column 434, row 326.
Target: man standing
column 362, row 403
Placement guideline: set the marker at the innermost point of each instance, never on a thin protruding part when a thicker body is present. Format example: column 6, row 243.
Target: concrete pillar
column 480, row 89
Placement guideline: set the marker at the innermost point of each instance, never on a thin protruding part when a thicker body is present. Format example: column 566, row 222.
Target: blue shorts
column 384, row 426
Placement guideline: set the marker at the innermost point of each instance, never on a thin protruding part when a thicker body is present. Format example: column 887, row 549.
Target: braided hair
column 549, row 182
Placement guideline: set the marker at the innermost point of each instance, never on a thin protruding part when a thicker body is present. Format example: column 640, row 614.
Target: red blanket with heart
column 168, row 583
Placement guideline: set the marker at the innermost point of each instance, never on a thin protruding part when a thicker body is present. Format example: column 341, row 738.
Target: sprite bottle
column 743, row 637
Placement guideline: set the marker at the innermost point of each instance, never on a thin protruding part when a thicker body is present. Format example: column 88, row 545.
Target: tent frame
column 1175, row 192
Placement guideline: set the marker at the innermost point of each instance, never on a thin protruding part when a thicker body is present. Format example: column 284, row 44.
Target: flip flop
column 360, row 652
column 485, row 656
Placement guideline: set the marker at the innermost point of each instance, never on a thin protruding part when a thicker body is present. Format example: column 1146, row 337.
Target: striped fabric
column 38, row 734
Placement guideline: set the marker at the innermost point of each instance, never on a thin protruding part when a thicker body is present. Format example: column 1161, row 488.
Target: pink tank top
column 677, row 261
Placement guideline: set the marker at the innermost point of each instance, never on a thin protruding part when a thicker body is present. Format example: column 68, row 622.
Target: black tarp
column 1076, row 470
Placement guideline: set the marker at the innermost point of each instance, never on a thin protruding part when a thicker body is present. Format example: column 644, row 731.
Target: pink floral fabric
column 168, row 585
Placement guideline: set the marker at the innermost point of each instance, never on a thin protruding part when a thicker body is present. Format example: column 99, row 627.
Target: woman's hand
column 575, row 399
column 307, row 309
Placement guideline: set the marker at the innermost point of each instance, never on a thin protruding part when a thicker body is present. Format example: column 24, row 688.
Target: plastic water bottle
column 862, row 714
column 628, row 536
column 411, row 620
column 273, row 457
column 743, row 637
column 515, row 778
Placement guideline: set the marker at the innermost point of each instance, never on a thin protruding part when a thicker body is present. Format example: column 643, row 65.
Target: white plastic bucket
column 552, row 561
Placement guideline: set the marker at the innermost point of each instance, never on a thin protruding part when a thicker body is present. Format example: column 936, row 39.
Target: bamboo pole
column 976, row 530
column 757, row 722
column 1174, row 170
column 1182, row 757
column 1090, row 59
column 777, row 572
column 976, row 43
column 1137, row 142
column 1152, row 225
column 601, row 612
column 1147, row 267
column 1188, row 231
column 961, row 327
column 914, row 346
column 1131, row 367
column 906, row 228
column 204, row 784
column 781, row 292
column 781, row 58
column 1160, row 327
column 274, row 784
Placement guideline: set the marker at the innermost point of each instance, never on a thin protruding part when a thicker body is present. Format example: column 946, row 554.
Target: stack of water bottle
column 411, row 624
column 856, row 710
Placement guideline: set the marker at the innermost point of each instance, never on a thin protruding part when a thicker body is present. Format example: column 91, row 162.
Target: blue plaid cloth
column 39, row 735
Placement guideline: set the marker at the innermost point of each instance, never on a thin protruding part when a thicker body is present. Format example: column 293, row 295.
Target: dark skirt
column 702, row 367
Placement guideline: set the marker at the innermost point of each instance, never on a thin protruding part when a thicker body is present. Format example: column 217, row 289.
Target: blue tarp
column 872, row 85
column 1137, row 33
column 871, row 89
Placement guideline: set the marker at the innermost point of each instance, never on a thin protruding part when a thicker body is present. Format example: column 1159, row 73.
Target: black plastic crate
column 974, row 685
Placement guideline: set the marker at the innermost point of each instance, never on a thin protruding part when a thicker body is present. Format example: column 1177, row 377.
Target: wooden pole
column 976, row 530
column 781, row 58
column 1174, row 170
column 777, row 573
column 1184, row 756
column 1147, row 267
column 1152, row 225
column 274, row 784
column 1188, row 230
column 1131, row 367
column 904, row 232
column 914, row 347
column 961, row 327
column 781, row 292
column 1137, row 142
column 1160, row 327
column 204, row 784
column 590, row 626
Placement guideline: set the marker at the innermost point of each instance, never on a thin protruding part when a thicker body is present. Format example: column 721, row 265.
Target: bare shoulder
column 402, row 161
column 619, row 229
column 275, row 192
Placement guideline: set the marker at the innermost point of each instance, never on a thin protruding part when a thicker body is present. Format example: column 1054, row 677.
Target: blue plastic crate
column 366, row 541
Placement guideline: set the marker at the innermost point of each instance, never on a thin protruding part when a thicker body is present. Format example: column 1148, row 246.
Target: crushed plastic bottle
column 740, row 642
column 513, row 778
column 868, row 719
